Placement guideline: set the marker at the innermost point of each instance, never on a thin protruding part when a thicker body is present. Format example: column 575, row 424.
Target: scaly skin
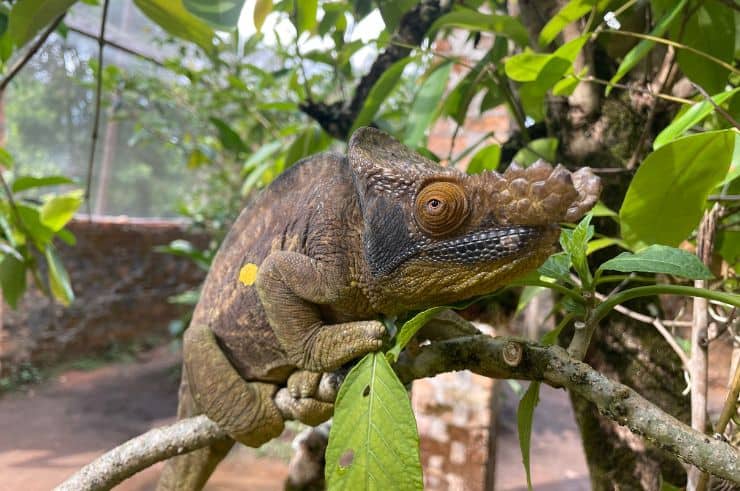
column 339, row 241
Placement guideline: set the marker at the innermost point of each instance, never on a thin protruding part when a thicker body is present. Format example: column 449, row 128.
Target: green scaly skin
column 338, row 242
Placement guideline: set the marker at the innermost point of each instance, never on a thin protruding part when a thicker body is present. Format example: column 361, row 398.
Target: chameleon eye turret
column 441, row 207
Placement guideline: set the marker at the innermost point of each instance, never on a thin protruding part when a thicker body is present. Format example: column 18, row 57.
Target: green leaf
column 487, row 158
column 380, row 91
column 184, row 248
column 311, row 141
column 637, row 53
column 472, row 20
column 527, row 295
column 221, row 14
column 573, row 10
column 373, row 443
column 542, row 148
column 557, row 267
column 526, row 67
column 305, row 14
column 575, row 244
column 524, row 420
column 694, row 115
column 12, row 279
column 261, row 9
column 426, row 105
column 265, row 152
column 393, row 10
column 604, row 242
column 229, row 138
column 711, row 29
column 410, row 328
column 172, row 17
column 57, row 211
column 21, row 183
column 665, row 199
column 29, row 17
column 58, row 278
column 660, row 259
column 6, row 160
column 601, row 210
column 39, row 232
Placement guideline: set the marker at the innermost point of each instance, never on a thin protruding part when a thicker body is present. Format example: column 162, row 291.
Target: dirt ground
column 49, row 430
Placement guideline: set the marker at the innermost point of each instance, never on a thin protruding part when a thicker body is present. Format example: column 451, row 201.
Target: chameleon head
column 434, row 235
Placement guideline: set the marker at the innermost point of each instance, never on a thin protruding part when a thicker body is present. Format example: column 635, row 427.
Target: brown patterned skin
column 340, row 241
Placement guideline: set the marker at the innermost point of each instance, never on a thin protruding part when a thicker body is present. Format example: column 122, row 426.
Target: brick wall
column 121, row 287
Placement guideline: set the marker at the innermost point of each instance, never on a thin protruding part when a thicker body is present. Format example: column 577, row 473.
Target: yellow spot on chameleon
column 248, row 274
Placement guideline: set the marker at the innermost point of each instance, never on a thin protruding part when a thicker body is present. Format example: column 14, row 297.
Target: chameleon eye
column 441, row 207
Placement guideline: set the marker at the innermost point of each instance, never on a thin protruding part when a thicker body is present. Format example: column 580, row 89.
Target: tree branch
column 487, row 356
column 337, row 118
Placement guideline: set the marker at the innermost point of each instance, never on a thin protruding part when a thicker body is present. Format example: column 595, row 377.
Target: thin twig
column 117, row 46
column 607, row 83
column 22, row 61
column 717, row 107
column 98, row 94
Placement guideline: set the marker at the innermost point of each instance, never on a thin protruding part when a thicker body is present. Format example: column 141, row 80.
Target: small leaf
column 229, row 138
column 601, row 210
column 373, row 442
column 305, row 13
column 693, row 116
column 637, row 53
column 603, row 242
column 12, row 279
column 6, row 160
column 410, row 328
column 184, row 248
column 541, row 148
column 29, row 17
column 557, row 267
column 688, row 169
column 524, row 420
column 221, row 14
column 311, row 141
column 426, row 104
column 487, row 158
column 265, row 152
column 575, row 244
column 57, row 211
column 58, row 278
column 660, row 259
column 261, row 9
column 38, row 232
column 472, row 20
column 22, row 183
column 573, row 10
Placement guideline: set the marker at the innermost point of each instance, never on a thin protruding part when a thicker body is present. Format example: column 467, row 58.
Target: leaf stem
column 644, row 291
column 553, row 286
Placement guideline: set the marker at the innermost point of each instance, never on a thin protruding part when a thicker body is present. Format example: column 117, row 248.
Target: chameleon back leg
column 190, row 472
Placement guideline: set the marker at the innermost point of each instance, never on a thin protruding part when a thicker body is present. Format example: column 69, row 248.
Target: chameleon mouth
column 491, row 245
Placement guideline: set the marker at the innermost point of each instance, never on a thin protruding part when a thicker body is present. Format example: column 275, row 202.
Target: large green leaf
column 39, row 232
column 58, row 278
column 524, row 420
column 380, row 91
column 172, row 16
column 637, row 53
column 221, row 14
column 711, row 29
column 426, row 104
column 666, row 198
column 12, row 279
column 28, row 17
column 21, row 183
column 57, row 211
column 373, row 443
column 660, row 259
column 557, row 266
column 472, row 20
column 693, row 116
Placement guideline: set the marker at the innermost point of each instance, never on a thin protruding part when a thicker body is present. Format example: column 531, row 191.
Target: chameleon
column 299, row 283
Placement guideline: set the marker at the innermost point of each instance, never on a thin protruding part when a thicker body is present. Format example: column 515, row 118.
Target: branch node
column 513, row 353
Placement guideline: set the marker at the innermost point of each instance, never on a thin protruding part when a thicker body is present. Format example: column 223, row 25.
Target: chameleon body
column 332, row 244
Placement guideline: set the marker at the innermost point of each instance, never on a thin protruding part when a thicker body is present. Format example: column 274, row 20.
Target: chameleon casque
column 339, row 241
